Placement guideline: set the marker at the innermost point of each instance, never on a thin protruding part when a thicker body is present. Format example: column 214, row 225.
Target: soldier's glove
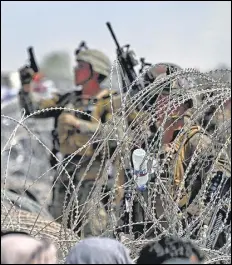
column 26, row 74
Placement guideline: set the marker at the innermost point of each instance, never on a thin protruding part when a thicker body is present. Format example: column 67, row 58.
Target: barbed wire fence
column 158, row 205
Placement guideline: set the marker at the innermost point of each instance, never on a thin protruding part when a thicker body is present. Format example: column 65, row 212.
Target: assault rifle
column 127, row 61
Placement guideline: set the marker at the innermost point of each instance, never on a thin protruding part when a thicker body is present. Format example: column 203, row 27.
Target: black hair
column 168, row 248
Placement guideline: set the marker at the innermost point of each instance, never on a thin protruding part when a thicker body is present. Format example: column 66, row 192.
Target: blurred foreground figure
column 20, row 248
column 170, row 251
column 99, row 251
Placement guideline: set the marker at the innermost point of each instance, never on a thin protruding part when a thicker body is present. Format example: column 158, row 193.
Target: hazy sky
column 191, row 34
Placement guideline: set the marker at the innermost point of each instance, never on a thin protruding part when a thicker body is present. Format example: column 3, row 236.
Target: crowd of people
column 21, row 248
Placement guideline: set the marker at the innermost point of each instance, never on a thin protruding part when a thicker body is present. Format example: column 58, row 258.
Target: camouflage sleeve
column 27, row 103
column 68, row 122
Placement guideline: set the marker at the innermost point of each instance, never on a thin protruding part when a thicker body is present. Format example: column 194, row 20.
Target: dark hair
column 168, row 248
column 13, row 232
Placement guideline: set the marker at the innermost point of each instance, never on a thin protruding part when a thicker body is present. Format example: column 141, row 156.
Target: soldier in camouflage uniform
column 182, row 140
column 74, row 129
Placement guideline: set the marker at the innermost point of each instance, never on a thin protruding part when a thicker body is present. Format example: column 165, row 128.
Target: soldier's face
column 82, row 73
column 170, row 126
column 164, row 107
column 173, row 120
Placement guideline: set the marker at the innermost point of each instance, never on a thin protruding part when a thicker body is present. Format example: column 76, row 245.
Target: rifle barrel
column 113, row 35
column 30, row 51
column 32, row 59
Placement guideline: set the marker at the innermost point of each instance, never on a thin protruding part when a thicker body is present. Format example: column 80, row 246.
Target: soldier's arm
column 78, row 124
column 86, row 126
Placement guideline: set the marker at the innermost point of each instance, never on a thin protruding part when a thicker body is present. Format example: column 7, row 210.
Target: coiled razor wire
column 160, row 210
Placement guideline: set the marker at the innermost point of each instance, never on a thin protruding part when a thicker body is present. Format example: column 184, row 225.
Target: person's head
column 164, row 89
column 169, row 249
column 20, row 248
column 98, row 251
column 174, row 120
column 160, row 70
column 92, row 68
column 164, row 101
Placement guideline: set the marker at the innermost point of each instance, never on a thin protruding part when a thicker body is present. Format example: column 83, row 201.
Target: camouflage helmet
column 163, row 70
column 159, row 72
column 98, row 60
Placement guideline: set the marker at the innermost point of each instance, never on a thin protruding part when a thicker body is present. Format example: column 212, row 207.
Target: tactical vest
column 180, row 146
